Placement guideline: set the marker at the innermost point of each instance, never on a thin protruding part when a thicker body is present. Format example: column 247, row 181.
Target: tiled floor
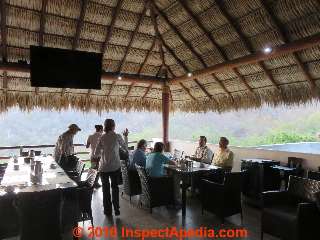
column 133, row 216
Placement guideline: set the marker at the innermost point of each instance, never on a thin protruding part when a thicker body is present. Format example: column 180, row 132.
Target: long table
column 20, row 181
column 185, row 174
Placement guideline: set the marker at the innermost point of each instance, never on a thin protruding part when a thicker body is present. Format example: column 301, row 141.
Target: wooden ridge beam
column 132, row 38
column 80, row 23
column 288, row 48
column 243, row 38
column 176, row 31
column 110, row 28
column 25, row 68
column 286, row 38
column 187, row 91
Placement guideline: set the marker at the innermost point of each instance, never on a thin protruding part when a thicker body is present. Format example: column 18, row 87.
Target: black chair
column 9, row 222
column 77, row 172
column 39, row 215
column 223, row 199
column 155, row 191
column 3, row 167
column 131, row 181
column 292, row 214
column 85, row 191
column 314, row 175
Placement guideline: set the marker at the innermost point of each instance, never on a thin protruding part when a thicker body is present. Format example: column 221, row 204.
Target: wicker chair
column 39, row 215
column 223, row 199
column 156, row 191
column 292, row 214
column 131, row 181
column 314, row 175
column 9, row 222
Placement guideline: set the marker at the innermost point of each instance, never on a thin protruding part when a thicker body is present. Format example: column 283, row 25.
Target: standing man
column 64, row 145
column 109, row 166
column 92, row 142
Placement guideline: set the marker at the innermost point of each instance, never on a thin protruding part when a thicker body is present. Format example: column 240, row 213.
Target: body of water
column 304, row 147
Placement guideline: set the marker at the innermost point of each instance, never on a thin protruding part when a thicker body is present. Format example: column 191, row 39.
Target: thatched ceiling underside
column 151, row 38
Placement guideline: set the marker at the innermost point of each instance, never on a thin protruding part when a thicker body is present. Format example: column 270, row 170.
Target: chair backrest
column 303, row 188
column 39, row 214
column 233, row 180
column 91, row 177
column 80, row 168
column 125, row 176
column 314, row 175
column 145, row 187
column 295, row 162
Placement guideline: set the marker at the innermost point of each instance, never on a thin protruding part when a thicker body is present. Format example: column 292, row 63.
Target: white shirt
column 93, row 141
column 108, row 148
column 64, row 145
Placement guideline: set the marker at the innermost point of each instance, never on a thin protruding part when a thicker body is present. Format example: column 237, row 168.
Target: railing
column 130, row 143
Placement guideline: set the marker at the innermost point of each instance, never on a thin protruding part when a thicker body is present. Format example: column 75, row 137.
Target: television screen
column 60, row 68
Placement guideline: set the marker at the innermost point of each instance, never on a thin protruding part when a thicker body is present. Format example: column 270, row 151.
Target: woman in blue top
column 156, row 160
column 139, row 155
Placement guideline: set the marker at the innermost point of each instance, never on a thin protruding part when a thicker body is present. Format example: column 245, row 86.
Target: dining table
column 18, row 176
column 186, row 173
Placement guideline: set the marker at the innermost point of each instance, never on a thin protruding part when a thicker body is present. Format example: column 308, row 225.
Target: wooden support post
column 165, row 115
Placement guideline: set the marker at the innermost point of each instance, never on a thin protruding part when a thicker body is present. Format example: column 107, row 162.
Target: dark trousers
column 115, row 180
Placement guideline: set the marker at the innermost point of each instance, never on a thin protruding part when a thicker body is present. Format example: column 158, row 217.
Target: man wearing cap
column 64, row 145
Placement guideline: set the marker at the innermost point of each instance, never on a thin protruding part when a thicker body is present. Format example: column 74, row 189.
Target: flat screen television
column 60, row 68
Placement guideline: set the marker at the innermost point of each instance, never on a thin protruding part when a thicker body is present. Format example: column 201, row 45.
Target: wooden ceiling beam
column 187, row 91
column 131, row 39
column 5, row 81
column 147, row 91
column 42, row 21
column 129, row 90
column 243, row 38
column 288, row 48
column 222, row 86
column 80, row 24
column 177, row 32
column 286, row 38
column 147, row 56
column 203, row 89
column 110, row 28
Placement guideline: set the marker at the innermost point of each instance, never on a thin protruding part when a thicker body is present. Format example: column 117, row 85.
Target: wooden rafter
column 288, row 48
column 131, row 39
column 80, row 23
column 147, row 56
column 204, row 90
column 147, row 91
column 185, row 6
column 243, row 38
column 286, row 38
column 222, row 86
column 3, row 31
column 110, row 28
column 42, row 22
column 129, row 90
column 5, row 81
column 111, row 87
column 187, row 91
column 177, row 32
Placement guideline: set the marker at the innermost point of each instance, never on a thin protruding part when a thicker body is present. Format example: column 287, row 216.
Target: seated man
column 203, row 153
column 139, row 155
column 223, row 157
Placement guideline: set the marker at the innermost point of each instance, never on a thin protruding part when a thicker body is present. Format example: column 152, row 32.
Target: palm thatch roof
column 152, row 42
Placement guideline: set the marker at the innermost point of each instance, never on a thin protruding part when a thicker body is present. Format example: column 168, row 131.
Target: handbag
column 68, row 162
column 124, row 154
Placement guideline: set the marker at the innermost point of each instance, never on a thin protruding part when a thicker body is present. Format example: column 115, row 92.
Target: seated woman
column 155, row 168
column 223, row 157
column 156, row 160
column 139, row 155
